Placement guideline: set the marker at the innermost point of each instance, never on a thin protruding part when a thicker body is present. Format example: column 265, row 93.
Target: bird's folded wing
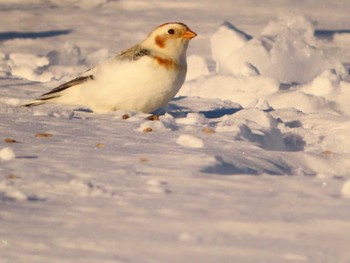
column 55, row 92
column 133, row 53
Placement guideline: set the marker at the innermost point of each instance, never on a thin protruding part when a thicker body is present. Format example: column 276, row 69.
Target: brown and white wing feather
column 131, row 54
column 56, row 92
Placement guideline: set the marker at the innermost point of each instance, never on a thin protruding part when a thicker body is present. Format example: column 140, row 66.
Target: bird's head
column 170, row 39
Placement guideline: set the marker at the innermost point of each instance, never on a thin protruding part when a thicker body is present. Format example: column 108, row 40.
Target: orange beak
column 189, row 34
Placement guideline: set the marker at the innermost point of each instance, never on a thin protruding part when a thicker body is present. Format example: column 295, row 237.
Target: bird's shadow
column 218, row 113
column 178, row 111
column 10, row 35
column 209, row 114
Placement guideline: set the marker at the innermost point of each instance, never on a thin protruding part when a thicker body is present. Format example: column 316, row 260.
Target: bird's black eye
column 171, row 31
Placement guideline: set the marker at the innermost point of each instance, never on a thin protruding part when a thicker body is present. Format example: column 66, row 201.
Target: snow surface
column 249, row 163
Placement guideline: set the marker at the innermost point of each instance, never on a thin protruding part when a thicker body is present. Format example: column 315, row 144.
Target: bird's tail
column 45, row 98
column 57, row 92
column 33, row 103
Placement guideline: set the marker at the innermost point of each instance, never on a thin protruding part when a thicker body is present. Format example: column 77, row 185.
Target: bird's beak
column 189, row 34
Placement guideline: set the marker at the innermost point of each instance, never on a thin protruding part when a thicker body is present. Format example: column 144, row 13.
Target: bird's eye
column 171, row 31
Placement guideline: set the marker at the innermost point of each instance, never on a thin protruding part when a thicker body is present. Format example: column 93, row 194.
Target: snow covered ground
column 250, row 163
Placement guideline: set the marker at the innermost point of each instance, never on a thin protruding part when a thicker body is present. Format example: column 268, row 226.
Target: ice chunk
column 224, row 41
column 291, row 21
column 28, row 66
column 254, row 53
column 293, row 59
column 286, row 50
column 26, row 59
column 29, row 73
column 323, row 85
column 249, row 70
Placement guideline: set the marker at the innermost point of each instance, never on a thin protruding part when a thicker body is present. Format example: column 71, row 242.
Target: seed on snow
column 153, row 117
column 43, row 135
column 143, row 159
column 208, row 130
column 125, row 116
column 9, row 140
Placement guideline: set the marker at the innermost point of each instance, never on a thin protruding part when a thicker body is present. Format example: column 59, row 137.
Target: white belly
column 141, row 85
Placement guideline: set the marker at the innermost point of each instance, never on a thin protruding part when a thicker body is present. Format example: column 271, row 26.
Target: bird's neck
column 176, row 54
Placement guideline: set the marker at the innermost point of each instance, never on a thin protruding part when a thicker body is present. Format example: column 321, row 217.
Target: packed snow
column 248, row 163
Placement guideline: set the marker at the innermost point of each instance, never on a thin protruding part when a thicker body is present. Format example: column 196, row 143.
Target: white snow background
column 250, row 162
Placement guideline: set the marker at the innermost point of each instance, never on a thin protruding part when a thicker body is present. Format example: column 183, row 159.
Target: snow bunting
column 142, row 78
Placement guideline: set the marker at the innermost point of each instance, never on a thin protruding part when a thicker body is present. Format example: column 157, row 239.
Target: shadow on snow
column 223, row 167
column 32, row 35
column 329, row 34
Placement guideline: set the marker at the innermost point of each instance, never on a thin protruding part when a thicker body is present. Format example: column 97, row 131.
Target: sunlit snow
column 248, row 163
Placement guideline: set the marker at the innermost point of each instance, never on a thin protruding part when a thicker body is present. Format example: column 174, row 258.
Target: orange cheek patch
column 160, row 42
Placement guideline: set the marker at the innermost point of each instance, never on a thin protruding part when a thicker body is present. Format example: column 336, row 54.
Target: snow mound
column 285, row 50
column 224, row 41
column 190, row 141
column 260, row 128
column 294, row 22
column 67, row 55
column 241, row 89
column 8, row 192
column 28, row 66
column 332, row 89
column 281, row 68
column 65, row 62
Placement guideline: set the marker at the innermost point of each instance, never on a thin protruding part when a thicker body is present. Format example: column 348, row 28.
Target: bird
column 143, row 78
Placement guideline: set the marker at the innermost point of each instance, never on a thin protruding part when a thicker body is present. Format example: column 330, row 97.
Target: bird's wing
column 55, row 92
column 133, row 53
